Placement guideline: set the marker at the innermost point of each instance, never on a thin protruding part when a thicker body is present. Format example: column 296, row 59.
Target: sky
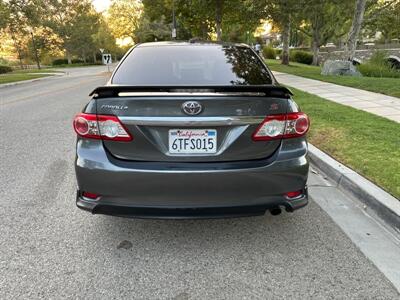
column 101, row 5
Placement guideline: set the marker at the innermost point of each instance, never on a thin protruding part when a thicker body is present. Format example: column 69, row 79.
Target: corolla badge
column 119, row 107
column 192, row 108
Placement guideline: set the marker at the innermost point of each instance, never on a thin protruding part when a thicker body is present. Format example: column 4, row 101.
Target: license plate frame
column 192, row 141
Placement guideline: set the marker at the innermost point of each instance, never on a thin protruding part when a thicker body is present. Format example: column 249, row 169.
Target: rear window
column 192, row 65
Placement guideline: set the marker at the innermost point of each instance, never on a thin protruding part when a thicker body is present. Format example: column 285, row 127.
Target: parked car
column 191, row 130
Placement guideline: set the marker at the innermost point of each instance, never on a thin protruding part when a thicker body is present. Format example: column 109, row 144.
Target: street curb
column 382, row 203
column 3, row 85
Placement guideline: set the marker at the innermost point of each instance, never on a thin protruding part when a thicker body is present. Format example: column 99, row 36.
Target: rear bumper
column 165, row 190
column 189, row 212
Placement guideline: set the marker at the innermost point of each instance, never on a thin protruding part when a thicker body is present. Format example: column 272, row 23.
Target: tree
column 15, row 25
column 4, row 15
column 124, row 18
column 193, row 18
column 324, row 20
column 218, row 18
column 86, row 25
column 204, row 18
column 103, row 39
column 384, row 17
column 241, row 18
column 149, row 31
column 354, row 32
column 74, row 21
column 283, row 13
column 24, row 25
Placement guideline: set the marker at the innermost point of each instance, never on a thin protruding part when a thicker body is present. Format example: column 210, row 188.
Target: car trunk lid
column 152, row 116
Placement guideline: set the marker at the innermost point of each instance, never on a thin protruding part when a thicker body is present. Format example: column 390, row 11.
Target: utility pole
column 35, row 50
column 173, row 21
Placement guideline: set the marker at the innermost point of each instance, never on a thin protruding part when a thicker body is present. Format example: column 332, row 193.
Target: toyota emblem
column 192, row 108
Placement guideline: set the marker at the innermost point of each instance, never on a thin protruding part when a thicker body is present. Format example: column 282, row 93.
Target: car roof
column 193, row 42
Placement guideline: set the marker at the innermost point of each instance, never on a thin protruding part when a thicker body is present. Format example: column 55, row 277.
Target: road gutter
column 377, row 241
column 384, row 205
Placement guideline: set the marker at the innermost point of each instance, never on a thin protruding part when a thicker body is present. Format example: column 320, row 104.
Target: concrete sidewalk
column 378, row 104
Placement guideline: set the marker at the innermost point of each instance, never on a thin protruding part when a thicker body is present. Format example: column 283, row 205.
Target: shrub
column 369, row 69
column 5, row 69
column 378, row 57
column 77, row 61
column 4, row 62
column 60, row 61
column 269, row 52
column 302, row 57
column 378, row 66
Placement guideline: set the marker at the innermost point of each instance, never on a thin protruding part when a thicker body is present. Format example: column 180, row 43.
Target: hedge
column 302, row 57
column 5, row 69
column 60, row 61
column 76, row 61
column 64, row 61
column 269, row 52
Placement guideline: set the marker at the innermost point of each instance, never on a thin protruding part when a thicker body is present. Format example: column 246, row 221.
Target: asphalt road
column 51, row 249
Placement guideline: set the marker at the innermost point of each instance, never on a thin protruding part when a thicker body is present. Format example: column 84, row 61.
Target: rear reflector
column 101, row 127
column 282, row 127
column 294, row 194
column 92, row 196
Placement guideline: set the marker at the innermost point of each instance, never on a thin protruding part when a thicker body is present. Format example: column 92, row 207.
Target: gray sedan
column 191, row 130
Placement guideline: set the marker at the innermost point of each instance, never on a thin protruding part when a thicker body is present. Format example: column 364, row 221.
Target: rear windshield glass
column 192, row 65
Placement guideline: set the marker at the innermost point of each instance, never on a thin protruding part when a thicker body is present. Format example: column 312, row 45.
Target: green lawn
column 388, row 86
column 19, row 75
column 24, row 71
column 364, row 142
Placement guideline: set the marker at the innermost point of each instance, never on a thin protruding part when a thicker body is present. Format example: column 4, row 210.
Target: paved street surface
column 50, row 249
column 375, row 103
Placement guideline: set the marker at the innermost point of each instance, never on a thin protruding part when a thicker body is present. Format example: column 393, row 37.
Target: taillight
column 100, row 127
column 91, row 196
column 282, row 127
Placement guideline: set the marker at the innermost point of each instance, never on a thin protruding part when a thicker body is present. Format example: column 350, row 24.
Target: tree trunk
column 17, row 48
column 19, row 54
column 315, row 49
column 340, row 44
column 94, row 57
column 69, row 57
column 218, row 18
column 354, row 32
column 35, row 51
column 315, row 45
column 204, row 31
column 285, row 42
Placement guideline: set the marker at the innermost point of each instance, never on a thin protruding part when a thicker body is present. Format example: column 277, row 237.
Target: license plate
column 192, row 141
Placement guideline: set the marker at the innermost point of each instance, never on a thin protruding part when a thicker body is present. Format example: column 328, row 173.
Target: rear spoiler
column 266, row 90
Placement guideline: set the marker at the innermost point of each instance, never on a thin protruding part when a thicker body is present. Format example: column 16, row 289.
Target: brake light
column 101, row 127
column 282, row 127
column 294, row 194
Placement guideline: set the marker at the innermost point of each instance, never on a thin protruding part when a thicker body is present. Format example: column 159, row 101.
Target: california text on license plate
column 192, row 141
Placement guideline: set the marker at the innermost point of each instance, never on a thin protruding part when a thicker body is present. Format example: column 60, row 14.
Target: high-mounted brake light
column 282, row 127
column 101, row 127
